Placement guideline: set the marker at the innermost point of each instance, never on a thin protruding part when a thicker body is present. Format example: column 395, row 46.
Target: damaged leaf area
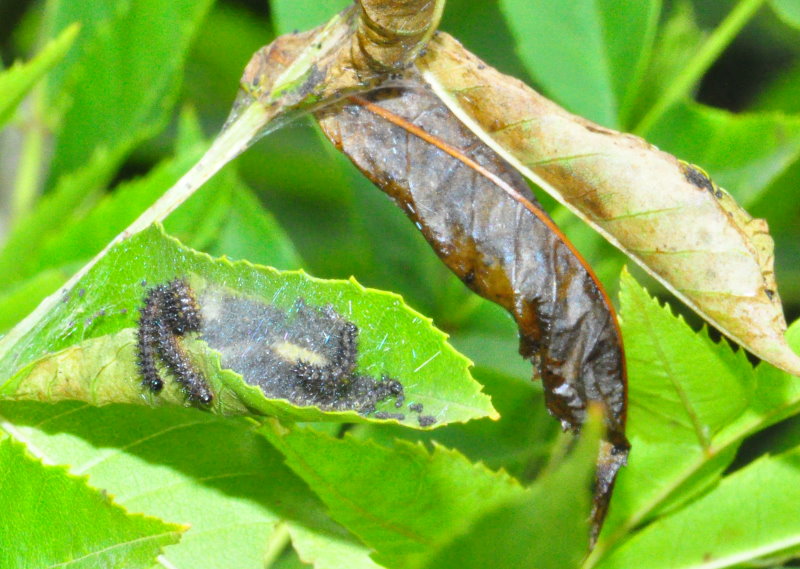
column 155, row 323
column 480, row 217
column 665, row 214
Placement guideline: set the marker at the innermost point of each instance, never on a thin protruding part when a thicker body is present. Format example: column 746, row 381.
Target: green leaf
column 400, row 500
column 788, row 11
column 250, row 232
column 783, row 94
column 679, row 37
column 589, row 56
column 744, row 153
column 520, row 442
column 545, row 527
column 52, row 212
column 229, row 36
column 43, row 505
column 469, row 21
column 290, row 560
column 675, row 410
column 17, row 81
column 215, row 475
column 669, row 366
column 663, row 475
column 290, row 15
column 751, row 514
column 85, row 347
column 78, row 238
column 119, row 84
column 329, row 551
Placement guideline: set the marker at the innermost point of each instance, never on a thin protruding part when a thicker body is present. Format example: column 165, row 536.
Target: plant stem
column 233, row 140
column 717, row 42
column 276, row 544
column 26, row 181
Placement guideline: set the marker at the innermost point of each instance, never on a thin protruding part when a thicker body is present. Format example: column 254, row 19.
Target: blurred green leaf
column 222, row 216
column 51, row 212
column 678, row 38
column 783, row 94
column 401, row 500
column 250, row 232
column 228, row 38
column 118, row 85
column 289, row 560
column 82, row 237
column 469, row 21
column 40, row 502
column 290, row 15
column 17, row 81
column 788, row 10
column 18, row 301
column 588, row 56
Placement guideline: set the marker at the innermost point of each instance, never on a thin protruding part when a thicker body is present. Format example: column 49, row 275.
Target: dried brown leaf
column 480, row 217
column 665, row 214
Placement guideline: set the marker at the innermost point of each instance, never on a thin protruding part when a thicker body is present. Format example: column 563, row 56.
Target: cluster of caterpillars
column 308, row 358
column 170, row 312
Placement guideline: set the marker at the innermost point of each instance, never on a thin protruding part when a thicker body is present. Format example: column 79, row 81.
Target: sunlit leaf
column 213, row 475
column 43, row 504
column 667, row 472
column 743, row 519
column 329, row 551
column 683, row 390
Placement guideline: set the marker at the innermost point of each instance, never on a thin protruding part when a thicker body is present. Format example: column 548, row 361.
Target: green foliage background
column 115, row 114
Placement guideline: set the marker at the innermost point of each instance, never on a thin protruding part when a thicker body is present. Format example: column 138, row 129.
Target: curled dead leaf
column 665, row 214
column 480, row 217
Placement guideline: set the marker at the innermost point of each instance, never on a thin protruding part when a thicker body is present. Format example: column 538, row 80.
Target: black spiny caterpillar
column 305, row 354
column 170, row 311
